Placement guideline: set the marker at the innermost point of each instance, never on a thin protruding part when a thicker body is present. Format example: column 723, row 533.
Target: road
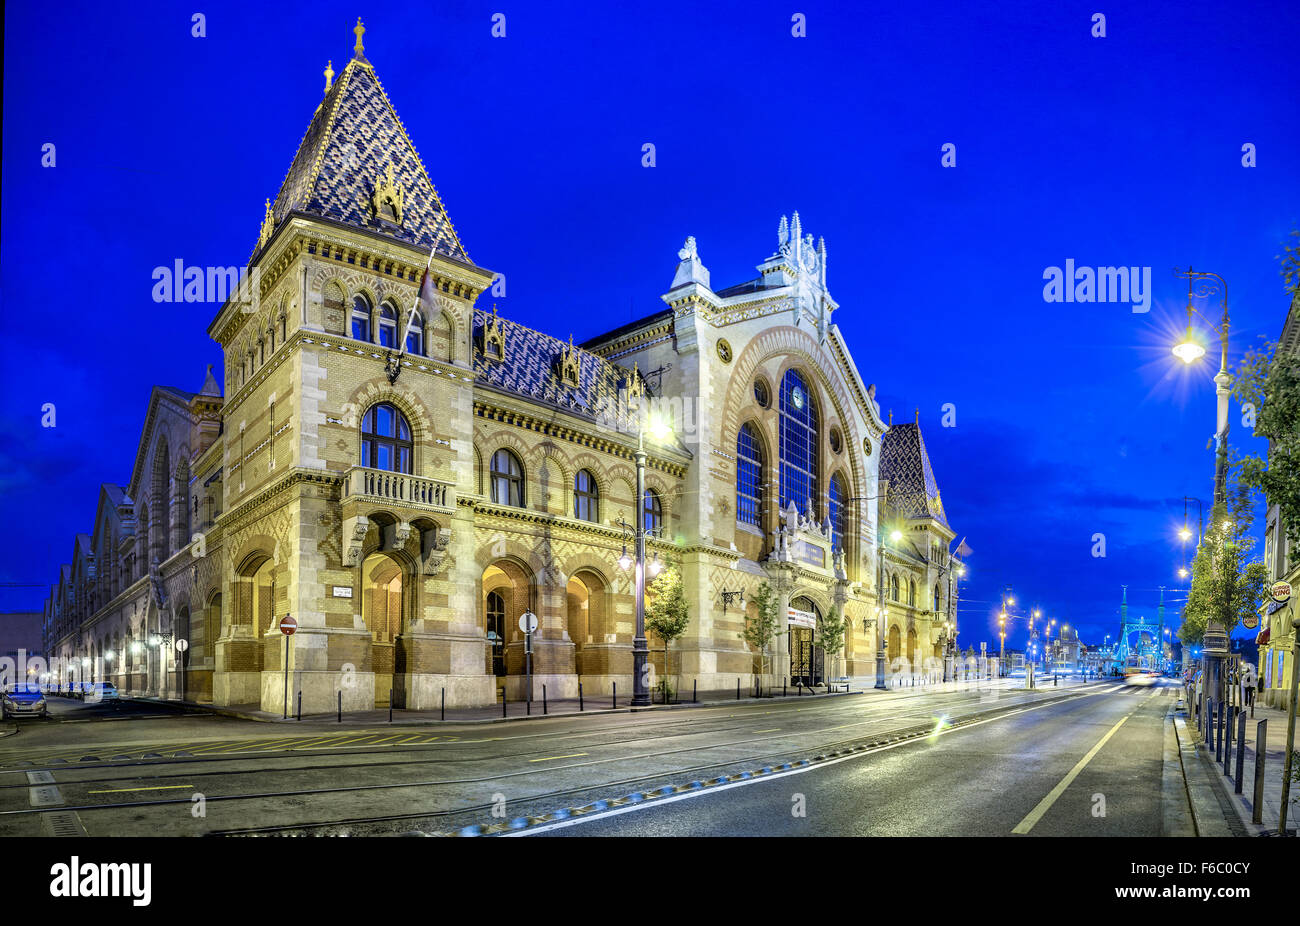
column 918, row 762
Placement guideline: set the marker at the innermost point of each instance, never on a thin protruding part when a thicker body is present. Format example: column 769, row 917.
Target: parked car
column 99, row 691
column 23, row 701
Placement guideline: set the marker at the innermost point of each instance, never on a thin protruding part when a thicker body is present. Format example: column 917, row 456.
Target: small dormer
column 569, row 366
column 494, row 337
column 388, row 197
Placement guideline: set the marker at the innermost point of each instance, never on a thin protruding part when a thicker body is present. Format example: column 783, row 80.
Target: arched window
column 749, row 477
column 936, row 597
column 798, row 444
column 836, row 497
column 496, row 631
column 385, row 439
column 361, row 319
column 507, row 479
column 911, row 594
column 387, row 326
column 586, row 496
column 654, row 511
column 893, row 587
column 415, row 335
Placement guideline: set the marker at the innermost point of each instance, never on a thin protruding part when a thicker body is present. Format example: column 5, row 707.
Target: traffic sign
column 1281, row 591
column 288, row 625
column 528, row 622
column 182, row 645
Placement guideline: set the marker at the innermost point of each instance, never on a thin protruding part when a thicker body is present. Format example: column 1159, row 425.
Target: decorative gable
column 386, row 200
column 494, row 338
column 570, row 366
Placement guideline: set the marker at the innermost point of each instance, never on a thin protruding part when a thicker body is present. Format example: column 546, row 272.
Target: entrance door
column 496, row 632
column 806, row 660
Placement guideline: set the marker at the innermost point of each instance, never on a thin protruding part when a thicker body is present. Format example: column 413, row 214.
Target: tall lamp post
column 1202, row 284
column 1007, row 599
column 660, row 431
column 882, row 610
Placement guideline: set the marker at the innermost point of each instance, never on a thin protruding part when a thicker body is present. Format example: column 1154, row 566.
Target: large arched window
column 893, row 587
column 798, row 445
column 653, row 512
column 586, row 497
column 387, row 326
column 385, row 439
column 361, row 319
column 749, row 477
column 836, row 498
column 415, row 334
column 911, row 593
column 507, row 479
column 936, row 598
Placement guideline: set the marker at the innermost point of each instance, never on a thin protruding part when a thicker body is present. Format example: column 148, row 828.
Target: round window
column 866, row 445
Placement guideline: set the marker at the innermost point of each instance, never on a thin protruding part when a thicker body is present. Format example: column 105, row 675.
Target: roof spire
column 891, row 417
column 918, row 414
column 329, row 75
column 359, row 49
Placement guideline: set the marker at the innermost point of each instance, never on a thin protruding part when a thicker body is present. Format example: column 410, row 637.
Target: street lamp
column 660, row 431
column 1201, row 283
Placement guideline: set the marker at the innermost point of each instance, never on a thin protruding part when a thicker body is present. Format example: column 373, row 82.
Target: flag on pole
column 424, row 295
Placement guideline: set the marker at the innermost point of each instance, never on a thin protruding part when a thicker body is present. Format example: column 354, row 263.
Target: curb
column 1208, row 813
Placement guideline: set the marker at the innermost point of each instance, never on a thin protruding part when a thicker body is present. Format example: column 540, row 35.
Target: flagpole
column 410, row 316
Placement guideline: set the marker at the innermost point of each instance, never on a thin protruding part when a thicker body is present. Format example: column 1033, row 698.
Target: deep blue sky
column 1071, row 419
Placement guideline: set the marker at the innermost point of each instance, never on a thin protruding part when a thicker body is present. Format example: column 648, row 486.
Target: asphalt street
column 143, row 771
column 1018, row 774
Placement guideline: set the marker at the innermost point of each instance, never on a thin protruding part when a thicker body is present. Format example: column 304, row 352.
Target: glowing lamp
column 1189, row 351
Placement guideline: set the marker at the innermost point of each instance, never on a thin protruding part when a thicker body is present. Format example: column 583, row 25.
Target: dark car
column 23, row 701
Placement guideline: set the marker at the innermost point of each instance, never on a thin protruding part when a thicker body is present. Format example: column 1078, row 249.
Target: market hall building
column 405, row 483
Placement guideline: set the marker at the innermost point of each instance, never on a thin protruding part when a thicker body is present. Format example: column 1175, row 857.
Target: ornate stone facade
column 406, row 483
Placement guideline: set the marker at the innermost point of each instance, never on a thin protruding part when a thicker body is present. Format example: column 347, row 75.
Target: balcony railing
column 400, row 488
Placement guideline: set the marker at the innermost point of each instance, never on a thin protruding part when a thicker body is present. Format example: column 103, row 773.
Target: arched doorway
column 506, row 592
column 911, row 647
column 807, row 661
column 382, row 591
column 587, row 622
column 895, row 638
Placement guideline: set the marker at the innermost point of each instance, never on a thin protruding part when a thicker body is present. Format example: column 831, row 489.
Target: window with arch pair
column 382, row 330
column 386, row 439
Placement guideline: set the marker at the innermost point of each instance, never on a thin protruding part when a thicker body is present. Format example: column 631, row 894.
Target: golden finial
column 918, row 414
column 494, row 310
column 891, row 417
column 329, row 75
column 360, row 30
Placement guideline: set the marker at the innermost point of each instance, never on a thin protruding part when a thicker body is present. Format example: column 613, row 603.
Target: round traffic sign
column 182, row 645
column 1281, row 591
column 288, row 625
column 528, row 622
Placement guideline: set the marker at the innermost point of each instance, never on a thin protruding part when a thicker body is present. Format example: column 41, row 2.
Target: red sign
column 288, row 625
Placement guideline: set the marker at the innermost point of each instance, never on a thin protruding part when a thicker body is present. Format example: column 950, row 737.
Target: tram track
column 765, row 752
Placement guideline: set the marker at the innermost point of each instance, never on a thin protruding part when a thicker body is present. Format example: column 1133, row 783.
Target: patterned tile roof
column 913, row 490
column 531, row 370
column 352, row 139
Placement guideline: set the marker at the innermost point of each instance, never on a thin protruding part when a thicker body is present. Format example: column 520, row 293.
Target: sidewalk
column 1274, row 753
column 602, row 704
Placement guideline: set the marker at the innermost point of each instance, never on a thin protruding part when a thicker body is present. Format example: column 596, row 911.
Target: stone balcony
column 398, row 490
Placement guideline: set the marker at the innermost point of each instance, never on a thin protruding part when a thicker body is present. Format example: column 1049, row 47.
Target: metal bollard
column 1208, row 725
column 737, row 689
column 695, row 691
column 1054, row 678
column 1241, row 751
column 442, row 713
column 1228, row 716
column 615, row 701
column 1218, row 731
column 390, row 705
column 783, row 688
column 503, row 702
column 340, row 705
column 300, row 707
column 1261, row 744
column 544, row 700
column 579, row 697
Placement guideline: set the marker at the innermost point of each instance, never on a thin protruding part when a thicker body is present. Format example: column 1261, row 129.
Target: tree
column 669, row 614
column 830, row 633
column 1267, row 384
column 761, row 628
column 1226, row 587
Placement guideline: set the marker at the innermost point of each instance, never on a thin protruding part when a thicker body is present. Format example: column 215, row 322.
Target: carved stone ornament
column 354, row 535
column 388, row 197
